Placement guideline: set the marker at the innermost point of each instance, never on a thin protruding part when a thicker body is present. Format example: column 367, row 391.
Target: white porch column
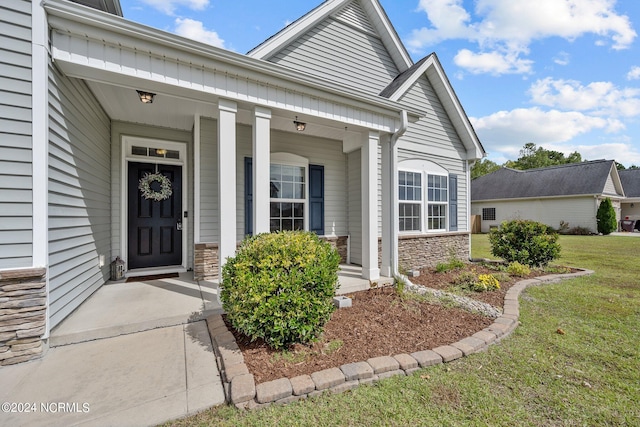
column 261, row 162
column 226, row 180
column 369, row 182
column 387, row 201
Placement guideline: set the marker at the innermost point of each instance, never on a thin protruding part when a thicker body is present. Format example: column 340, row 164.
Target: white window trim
column 127, row 143
column 288, row 159
column 416, row 202
column 425, row 168
column 429, row 202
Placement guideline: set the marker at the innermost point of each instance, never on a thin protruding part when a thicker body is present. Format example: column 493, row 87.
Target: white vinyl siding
column 209, row 230
column 353, row 14
column 79, row 194
column 577, row 211
column 342, row 53
column 16, row 209
column 355, row 205
column 434, row 132
column 610, row 188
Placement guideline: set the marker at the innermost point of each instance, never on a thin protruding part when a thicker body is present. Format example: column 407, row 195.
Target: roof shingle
column 564, row 180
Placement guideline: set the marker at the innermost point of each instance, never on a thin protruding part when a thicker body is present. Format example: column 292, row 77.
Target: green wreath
column 148, row 193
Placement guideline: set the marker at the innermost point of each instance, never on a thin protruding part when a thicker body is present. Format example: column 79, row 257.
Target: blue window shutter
column 316, row 199
column 453, row 202
column 248, row 196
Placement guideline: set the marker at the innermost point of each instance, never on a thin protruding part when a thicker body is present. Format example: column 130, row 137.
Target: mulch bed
column 379, row 323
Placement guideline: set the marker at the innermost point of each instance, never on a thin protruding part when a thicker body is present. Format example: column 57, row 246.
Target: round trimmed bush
column 527, row 242
column 280, row 287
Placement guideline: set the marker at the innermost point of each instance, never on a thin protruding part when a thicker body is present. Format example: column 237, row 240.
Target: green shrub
column 477, row 283
column 453, row 264
column 279, row 287
column 528, row 242
column 606, row 217
column 517, row 269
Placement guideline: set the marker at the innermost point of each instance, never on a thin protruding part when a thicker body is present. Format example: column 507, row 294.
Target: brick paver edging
column 242, row 391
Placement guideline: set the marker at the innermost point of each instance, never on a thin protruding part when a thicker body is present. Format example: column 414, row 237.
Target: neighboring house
column 568, row 193
column 322, row 127
column 630, row 179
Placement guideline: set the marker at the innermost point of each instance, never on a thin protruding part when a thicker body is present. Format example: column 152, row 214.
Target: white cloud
column 522, row 125
column 491, row 62
column 634, row 73
column 600, row 98
column 562, row 58
column 169, row 7
column 195, row 30
column 509, row 26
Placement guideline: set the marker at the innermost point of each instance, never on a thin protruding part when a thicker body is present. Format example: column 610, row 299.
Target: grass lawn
column 588, row 376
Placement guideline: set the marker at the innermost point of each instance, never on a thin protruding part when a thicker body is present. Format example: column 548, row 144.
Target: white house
column 327, row 126
column 568, row 193
column 630, row 206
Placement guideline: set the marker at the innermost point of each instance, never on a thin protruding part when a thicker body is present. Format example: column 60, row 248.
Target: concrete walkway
column 133, row 354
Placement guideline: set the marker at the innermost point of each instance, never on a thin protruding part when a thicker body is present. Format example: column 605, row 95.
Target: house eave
column 570, row 196
column 87, row 24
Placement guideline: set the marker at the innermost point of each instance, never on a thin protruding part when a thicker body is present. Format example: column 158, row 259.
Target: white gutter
column 404, row 123
column 470, row 165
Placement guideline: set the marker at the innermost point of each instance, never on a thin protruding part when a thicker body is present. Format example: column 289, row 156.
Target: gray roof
column 401, row 78
column 110, row 6
column 572, row 179
column 630, row 182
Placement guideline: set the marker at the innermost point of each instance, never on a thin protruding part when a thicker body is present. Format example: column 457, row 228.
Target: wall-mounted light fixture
column 146, row 97
column 300, row 126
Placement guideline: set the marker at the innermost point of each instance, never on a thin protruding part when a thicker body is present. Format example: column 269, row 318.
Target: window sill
column 415, row 235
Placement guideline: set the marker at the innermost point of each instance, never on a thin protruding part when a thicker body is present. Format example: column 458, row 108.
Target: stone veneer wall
column 23, row 314
column 341, row 244
column 207, row 264
column 424, row 251
column 206, row 261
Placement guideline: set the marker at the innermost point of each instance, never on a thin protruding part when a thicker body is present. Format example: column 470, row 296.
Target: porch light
column 146, row 97
column 300, row 126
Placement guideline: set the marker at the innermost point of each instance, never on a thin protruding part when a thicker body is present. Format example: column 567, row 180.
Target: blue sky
column 563, row 74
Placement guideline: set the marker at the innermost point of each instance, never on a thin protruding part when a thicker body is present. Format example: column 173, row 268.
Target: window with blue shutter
column 316, row 197
column 248, row 196
column 453, row 203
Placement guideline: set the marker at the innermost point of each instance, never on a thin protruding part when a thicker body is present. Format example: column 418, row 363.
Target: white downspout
column 470, row 164
column 404, row 123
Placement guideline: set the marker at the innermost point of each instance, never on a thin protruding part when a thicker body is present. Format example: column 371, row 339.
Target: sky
column 563, row 74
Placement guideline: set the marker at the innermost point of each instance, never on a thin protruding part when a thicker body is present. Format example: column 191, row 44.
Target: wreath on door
column 149, row 193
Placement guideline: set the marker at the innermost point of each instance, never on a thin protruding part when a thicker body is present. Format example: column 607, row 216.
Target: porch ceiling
column 122, row 104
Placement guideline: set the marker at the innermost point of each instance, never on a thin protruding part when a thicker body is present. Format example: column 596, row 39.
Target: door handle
column 179, row 225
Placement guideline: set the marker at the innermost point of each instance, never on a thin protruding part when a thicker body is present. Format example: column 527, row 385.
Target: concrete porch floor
column 120, row 308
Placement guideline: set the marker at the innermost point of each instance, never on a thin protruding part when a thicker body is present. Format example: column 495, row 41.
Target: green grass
column 588, row 376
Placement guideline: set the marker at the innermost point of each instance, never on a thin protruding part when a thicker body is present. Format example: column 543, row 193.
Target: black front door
column 155, row 227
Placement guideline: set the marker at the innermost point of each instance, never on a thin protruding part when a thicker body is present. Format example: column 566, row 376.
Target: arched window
column 425, row 197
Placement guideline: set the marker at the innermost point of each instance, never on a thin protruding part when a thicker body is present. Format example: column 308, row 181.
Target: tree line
column 532, row 157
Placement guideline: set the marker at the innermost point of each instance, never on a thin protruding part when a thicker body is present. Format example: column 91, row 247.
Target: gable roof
column 376, row 15
column 574, row 179
column 110, row 6
column 431, row 67
column 630, row 179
